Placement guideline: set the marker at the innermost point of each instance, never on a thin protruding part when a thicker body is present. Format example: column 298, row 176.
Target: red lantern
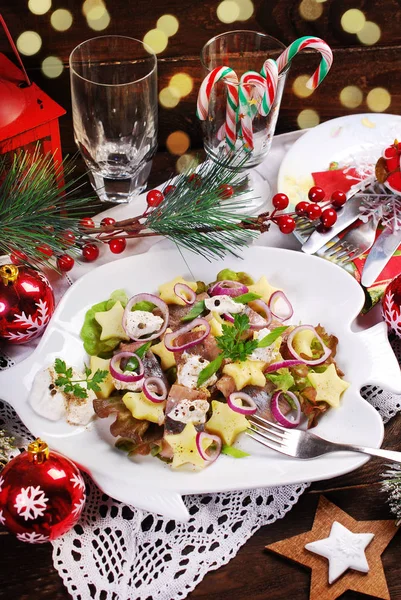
column 28, row 117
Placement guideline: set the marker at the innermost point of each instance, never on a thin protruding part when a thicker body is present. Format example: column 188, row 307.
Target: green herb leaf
column 97, row 377
column 143, row 349
column 87, row 371
column 248, row 297
column 60, row 366
column 282, row 379
column 195, row 311
column 271, row 337
column 79, row 391
column 210, row 370
column 234, row 452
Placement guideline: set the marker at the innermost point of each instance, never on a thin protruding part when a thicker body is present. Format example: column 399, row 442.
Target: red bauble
column 42, row 494
column 391, row 305
column 118, row 245
column 26, row 303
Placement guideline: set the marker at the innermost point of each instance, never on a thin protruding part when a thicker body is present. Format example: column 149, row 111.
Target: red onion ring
column 228, row 288
column 118, row 374
column 251, row 407
column 161, row 390
column 184, row 293
column 161, row 305
column 262, row 306
column 279, row 295
column 228, row 317
column 278, row 415
column 256, row 321
column 170, row 338
column 317, row 361
column 284, row 364
column 202, row 435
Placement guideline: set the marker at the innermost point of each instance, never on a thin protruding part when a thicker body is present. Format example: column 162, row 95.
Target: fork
column 303, row 444
column 355, row 243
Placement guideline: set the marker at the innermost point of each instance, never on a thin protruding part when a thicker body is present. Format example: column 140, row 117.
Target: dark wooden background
column 26, row 572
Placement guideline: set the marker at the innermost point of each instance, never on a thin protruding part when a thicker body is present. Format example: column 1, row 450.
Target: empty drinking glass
column 114, row 107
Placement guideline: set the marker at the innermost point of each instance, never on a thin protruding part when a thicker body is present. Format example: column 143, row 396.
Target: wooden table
column 27, row 573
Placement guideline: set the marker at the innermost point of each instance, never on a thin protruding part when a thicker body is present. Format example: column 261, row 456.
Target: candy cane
column 270, row 73
column 231, row 79
column 309, row 42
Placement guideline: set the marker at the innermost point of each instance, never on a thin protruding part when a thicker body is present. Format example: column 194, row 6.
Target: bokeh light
column 178, row 142
column 168, row 24
column 185, row 161
column 378, row 99
column 52, row 67
column 310, row 10
column 29, row 43
column 228, row 11
column 156, row 39
column 168, row 97
column 353, row 20
column 61, row 19
column 182, row 84
column 39, row 7
column 308, row 118
column 246, row 9
column 88, row 5
column 98, row 18
column 351, row 96
column 369, row 34
column 299, row 86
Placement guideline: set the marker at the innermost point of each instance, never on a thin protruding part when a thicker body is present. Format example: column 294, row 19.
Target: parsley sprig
column 72, row 386
column 234, row 347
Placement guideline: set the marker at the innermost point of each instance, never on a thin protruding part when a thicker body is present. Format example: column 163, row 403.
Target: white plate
column 321, row 293
column 355, row 139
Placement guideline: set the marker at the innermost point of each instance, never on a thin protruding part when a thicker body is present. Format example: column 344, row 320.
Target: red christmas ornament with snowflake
column 391, row 305
column 26, row 303
column 42, row 494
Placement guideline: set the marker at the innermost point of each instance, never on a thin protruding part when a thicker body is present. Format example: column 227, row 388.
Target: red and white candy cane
column 229, row 76
column 270, row 73
column 301, row 44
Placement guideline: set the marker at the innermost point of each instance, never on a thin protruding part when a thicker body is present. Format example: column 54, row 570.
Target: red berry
column 44, row 249
column 225, row 191
column 68, row 237
column 107, row 221
column 17, row 256
column 195, row 179
column 65, row 263
column 316, row 194
column 338, row 198
column 168, row 189
column 280, row 201
column 313, row 211
column 118, row 245
column 301, row 207
column 328, row 217
column 154, row 198
column 87, row 223
column 90, row 252
column 286, row 224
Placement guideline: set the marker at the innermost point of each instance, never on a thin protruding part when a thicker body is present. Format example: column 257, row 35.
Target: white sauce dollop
column 188, row 371
column 52, row 403
column 141, row 323
column 224, row 304
column 190, row 411
column 134, row 386
column 264, row 354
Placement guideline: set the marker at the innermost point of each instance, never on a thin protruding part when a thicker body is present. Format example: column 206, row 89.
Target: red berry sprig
column 154, row 198
column 327, row 213
column 316, row 194
column 117, row 245
column 286, row 222
column 90, row 252
column 65, row 263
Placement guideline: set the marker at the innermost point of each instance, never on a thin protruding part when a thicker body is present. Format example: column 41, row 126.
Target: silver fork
column 355, row 243
column 303, row 444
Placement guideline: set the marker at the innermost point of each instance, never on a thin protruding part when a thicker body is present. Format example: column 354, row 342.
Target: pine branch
column 392, row 485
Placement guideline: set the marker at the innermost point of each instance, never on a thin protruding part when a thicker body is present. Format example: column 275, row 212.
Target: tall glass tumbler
column 114, row 107
column 242, row 51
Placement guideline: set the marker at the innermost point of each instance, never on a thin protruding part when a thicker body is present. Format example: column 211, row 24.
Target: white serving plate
column 320, row 292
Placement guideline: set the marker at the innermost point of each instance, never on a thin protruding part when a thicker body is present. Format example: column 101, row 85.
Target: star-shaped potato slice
column 328, row 385
column 226, row 423
column 263, row 288
column 167, row 358
column 143, row 409
column 111, row 322
column 184, row 447
column 168, row 294
column 248, row 372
